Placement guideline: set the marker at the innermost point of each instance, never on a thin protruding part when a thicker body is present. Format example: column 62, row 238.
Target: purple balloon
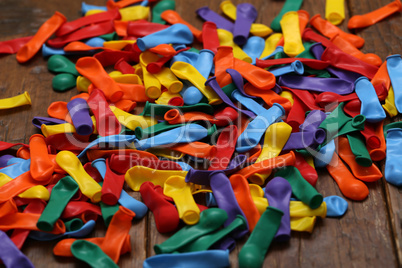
column 313, row 120
column 277, row 89
column 11, row 255
column 278, row 192
column 305, row 139
column 226, row 200
column 79, row 112
column 4, row 159
column 38, row 121
column 211, row 82
column 237, row 79
column 317, row 84
column 202, row 176
column 245, row 16
column 209, row 15
column 226, row 243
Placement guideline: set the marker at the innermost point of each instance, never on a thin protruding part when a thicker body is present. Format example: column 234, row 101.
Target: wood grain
column 368, row 235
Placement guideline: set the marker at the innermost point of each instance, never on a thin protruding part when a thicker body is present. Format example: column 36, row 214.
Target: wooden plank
column 383, row 39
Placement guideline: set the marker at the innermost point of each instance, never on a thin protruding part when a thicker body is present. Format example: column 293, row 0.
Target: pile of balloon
column 242, row 124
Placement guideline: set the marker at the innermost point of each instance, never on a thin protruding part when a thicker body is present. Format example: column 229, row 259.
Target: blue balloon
column 254, row 131
column 176, row 34
column 394, row 67
column 324, row 156
column 84, row 231
column 295, row 67
column 371, row 107
column 17, row 169
column 336, row 206
column 254, row 47
column 250, row 104
column 393, row 161
column 198, row 259
column 113, row 140
column 186, row 133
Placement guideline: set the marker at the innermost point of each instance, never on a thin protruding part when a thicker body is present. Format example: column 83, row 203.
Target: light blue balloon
column 249, row 103
column 371, row 107
column 254, row 47
column 336, row 206
column 176, row 34
column 187, row 133
column 199, row 259
column 113, row 140
column 394, row 67
column 393, row 160
column 254, row 131
column 295, row 67
column 324, row 156
column 278, row 49
column 84, row 231
column 86, row 7
column 17, row 169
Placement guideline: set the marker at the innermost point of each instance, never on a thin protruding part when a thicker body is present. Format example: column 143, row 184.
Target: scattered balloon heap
column 255, row 112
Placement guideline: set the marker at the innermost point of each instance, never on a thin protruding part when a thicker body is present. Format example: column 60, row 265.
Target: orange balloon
column 223, row 60
column 329, row 30
column 27, row 221
column 117, row 231
column 258, row 77
column 173, row 17
column 197, row 149
column 16, row 186
column 41, row 166
column 382, row 77
column 350, row 49
column 26, row 52
column 269, row 96
column 164, row 50
column 58, row 109
column 92, row 69
column 125, row 105
column 350, row 187
column 268, row 164
column 8, row 207
column 368, row 174
column 242, row 193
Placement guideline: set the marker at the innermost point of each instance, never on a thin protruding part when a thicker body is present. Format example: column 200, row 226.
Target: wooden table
column 369, row 235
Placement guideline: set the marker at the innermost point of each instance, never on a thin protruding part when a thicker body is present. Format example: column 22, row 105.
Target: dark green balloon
column 60, row 64
column 158, row 9
column 64, row 82
column 91, row 254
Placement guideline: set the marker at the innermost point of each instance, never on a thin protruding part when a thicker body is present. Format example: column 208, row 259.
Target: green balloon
column 334, row 121
column 206, row 241
column 359, row 149
column 73, row 225
column 91, row 254
column 110, row 37
column 60, row 64
column 210, row 220
column 253, row 252
column 61, row 194
column 301, row 189
column 159, row 8
column 64, row 82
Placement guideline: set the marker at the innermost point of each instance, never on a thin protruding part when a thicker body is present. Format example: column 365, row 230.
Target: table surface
column 369, row 235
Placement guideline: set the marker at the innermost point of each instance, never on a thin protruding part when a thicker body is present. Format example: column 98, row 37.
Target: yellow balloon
column 35, row 192
column 257, row 29
column 299, row 210
column 93, row 11
column 118, row 44
column 50, row 130
column 275, row 139
column 72, row 165
column 335, row 11
column 291, row 34
column 16, row 101
column 287, row 95
column 132, row 121
column 271, row 44
column 389, row 105
column 125, row 78
column 82, row 84
column 166, row 97
column 137, row 175
column 305, row 224
column 176, row 188
column 134, row 13
column 226, row 39
column 184, row 70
